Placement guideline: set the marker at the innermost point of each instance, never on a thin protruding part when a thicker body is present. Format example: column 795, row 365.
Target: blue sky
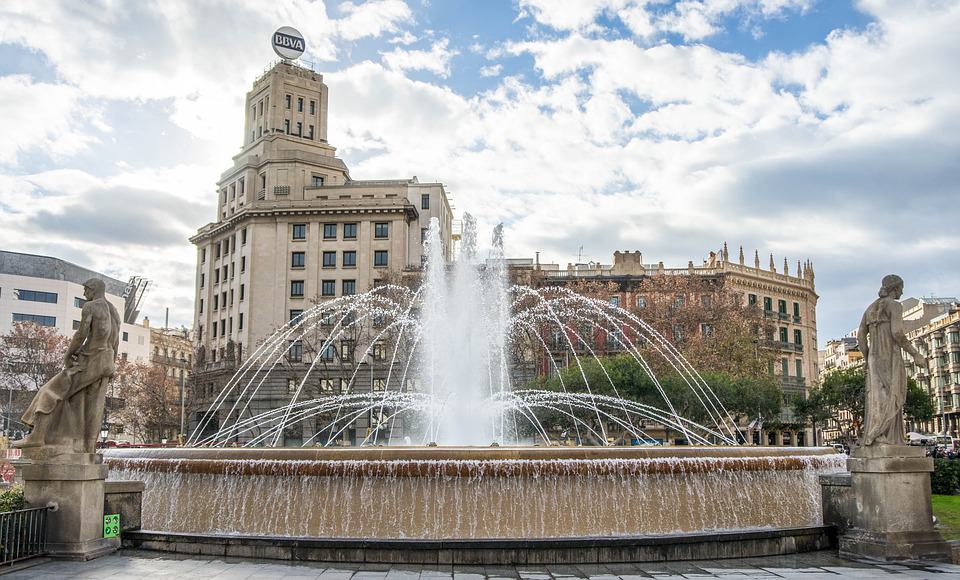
column 811, row 129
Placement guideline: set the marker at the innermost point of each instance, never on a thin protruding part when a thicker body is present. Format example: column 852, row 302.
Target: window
column 349, row 287
column 263, row 181
column 288, row 98
column 706, row 329
column 76, row 323
column 424, row 232
column 706, row 300
column 783, row 334
column 300, row 104
column 313, row 107
column 349, row 232
column 299, row 231
column 328, row 319
column 299, row 129
column 378, row 352
column 796, row 310
column 615, row 301
column 782, row 306
column 223, row 327
column 768, row 303
column 243, row 189
column 328, row 353
column 679, row 301
column 379, row 385
column 295, row 353
column 214, row 336
column 243, row 264
column 37, row 296
column 425, row 201
column 243, row 237
column 381, row 230
column 36, row 319
column 329, row 259
column 380, row 258
column 641, row 302
column 328, row 288
column 296, row 288
column 329, row 231
column 784, row 367
column 203, row 279
column 216, row 275
column 242, row 288
column 286, row 126
column 326, row 385
column 310, row 132
column 216, row 250
column 799, row 364
column 751, row 299
column 231, row 296
column 350, row 259
column 79, row 302
column 316, row 180
column 216, row 302
column 295, row 314
column 797, row 337
column 232, row 269
column 201, row 308
column 203, row 255
column 346, row 350
column 298, row 259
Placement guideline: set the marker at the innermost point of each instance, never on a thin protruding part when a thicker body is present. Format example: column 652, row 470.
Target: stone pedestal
column 74, row 483
column 891, row 517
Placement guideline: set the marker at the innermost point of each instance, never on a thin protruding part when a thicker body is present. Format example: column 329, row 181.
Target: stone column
column 779, row 439
column 891, row 517
column 74, row 483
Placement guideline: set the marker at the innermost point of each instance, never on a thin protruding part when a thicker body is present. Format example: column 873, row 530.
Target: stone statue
column 881, row 338
column 67, row 410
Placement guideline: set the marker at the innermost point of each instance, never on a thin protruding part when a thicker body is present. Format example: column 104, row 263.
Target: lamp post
column 183, row 374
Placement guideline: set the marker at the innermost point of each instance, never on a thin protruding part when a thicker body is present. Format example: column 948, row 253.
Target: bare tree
column 151, row 401
column 31, row 355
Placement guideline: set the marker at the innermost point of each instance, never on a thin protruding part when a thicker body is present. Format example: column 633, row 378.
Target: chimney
column 146, row 322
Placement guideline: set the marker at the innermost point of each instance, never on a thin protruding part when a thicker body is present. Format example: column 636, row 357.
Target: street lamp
column 183, row 374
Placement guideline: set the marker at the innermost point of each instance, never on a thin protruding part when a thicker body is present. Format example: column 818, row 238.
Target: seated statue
column 66, row 412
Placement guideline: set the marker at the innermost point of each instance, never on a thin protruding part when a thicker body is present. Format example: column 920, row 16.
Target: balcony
column 783, row 316
column 796, row 319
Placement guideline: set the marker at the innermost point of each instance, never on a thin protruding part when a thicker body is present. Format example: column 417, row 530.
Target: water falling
column 443, row 363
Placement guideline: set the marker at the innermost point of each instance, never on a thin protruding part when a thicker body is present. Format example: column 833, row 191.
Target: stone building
column 293, row 228
column 786, row 301
column 939, row 341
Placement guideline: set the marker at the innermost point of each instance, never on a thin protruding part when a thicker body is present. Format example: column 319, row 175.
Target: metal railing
column 23, row 534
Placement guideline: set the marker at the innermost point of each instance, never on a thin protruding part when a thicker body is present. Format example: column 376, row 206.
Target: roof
column 47, row 267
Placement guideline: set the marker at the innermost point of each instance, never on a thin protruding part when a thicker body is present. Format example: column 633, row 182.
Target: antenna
column 580, row 255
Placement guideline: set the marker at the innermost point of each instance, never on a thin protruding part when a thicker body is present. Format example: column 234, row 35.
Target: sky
column 826, row 130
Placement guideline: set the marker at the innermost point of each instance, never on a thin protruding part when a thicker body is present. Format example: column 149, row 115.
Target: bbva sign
column 288, row 42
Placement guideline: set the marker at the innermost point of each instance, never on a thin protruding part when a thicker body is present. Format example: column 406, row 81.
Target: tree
column 840, row 398
column 151, row 401
column 919, row 406
column 31, row 355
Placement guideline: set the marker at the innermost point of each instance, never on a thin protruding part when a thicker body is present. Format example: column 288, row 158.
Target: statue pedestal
column 74, row 482
column 891, row 517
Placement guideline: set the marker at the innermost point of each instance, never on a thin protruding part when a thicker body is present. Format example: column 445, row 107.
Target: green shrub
column 946, row 477
column 12, row 498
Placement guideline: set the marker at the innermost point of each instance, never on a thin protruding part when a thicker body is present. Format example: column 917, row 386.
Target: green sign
column 111, row 526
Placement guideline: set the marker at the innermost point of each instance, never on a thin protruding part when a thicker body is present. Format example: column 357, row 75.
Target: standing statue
column 881, row 337
column 67, row 410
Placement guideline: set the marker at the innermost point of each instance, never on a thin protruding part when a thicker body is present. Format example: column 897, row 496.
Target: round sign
column 288, row 42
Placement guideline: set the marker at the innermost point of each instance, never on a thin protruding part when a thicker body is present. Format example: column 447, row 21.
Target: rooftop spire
column 741, row 254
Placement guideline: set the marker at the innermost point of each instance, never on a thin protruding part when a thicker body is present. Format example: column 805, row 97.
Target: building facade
column 293, row 228
column 787, row 304
column 49, row 292
column 939, row 341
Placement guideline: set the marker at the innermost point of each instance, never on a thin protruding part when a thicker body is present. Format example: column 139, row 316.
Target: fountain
column 453, row 374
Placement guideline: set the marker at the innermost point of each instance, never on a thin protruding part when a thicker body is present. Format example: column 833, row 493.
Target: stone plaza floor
column 137, row 564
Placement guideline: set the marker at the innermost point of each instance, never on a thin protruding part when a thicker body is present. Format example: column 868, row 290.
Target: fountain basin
column 468, row 493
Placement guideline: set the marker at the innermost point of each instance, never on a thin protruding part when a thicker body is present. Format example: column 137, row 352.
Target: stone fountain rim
column 404, row 453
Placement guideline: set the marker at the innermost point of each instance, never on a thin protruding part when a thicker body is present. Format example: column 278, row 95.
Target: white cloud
column 492, row 70
column 405, row 39
column 45, row 117
column 435, row 60
column 372, row 18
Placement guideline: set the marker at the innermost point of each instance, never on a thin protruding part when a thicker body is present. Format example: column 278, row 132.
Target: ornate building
column 293, row 228
column 785, row 302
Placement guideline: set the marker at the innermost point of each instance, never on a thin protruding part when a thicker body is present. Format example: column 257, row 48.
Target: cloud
column 492, row 70
column 373, row 19
column 44, row 117
column 435, row 60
